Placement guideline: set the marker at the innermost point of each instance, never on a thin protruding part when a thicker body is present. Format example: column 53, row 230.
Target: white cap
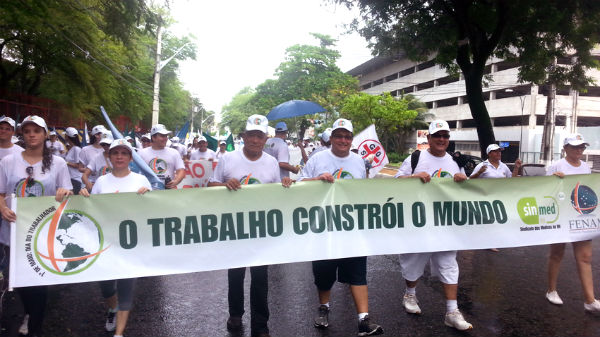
column 127, row 138
column 37, row 120
column 175, row 139
column 493, row 147
column 438, row 125
column 201, row 139
column 107, row 137
column 146, row 135
column 14, row 139
column 6, row 119
column 222, row 142
column 159, row 128
column 575, row 139
column 98, row 129
column 326, row 135
column 257, row 122
column 120, row 142
column 71, row 131
column 52, row 133
column 342, row 124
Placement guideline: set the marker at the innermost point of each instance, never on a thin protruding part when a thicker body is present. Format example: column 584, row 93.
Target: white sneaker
column 111, row 321
column 554, row 298
column 24, row 329
column 411, row 304
column 456, row 320
column 592, row 308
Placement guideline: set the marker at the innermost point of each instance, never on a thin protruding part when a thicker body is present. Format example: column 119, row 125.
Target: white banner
column 197, row 173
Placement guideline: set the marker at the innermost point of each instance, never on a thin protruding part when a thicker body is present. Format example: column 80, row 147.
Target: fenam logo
column 583, row 199
column 68, row 242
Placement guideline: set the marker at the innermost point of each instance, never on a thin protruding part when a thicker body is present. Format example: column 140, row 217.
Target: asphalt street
column 501, row 294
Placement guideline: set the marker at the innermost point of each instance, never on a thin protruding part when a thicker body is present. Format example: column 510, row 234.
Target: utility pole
column 157, row 67
column 549, row 121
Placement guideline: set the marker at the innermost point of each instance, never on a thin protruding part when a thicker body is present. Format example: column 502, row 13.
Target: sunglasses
column 437, row 135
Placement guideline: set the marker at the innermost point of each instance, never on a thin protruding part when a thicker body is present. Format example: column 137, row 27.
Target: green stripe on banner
column 113, row 236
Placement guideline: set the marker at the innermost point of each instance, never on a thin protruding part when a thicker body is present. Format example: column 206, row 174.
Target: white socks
column 451, row 305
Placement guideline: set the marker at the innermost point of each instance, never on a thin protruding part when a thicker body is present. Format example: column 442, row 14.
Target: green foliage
column 393, row 118
column 235, row 114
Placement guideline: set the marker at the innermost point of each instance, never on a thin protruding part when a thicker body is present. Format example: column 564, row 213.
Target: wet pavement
column 501, row 294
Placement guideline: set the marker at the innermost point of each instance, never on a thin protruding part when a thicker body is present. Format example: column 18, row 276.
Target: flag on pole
column 370, row 149
column 85, row 140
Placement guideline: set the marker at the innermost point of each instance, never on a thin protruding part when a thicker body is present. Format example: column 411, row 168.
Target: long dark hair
column 75, row 140
column 46, row 159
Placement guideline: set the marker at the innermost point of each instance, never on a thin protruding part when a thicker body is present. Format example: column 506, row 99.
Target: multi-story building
column 516, row 109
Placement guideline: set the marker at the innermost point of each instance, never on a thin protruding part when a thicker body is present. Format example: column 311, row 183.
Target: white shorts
column 443, row 265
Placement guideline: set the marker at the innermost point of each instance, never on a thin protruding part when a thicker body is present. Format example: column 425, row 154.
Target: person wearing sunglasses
column 574, row 146
column 119, row 293
column 434, row 163
column 328, row 166
column 35, row 172
column 99, row 165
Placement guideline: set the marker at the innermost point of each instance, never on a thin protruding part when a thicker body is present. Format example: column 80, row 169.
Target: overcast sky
column 241, row 43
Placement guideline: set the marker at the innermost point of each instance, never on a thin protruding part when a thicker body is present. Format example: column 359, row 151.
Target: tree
column 466, row 33
column 393, row 118
column 236, row 113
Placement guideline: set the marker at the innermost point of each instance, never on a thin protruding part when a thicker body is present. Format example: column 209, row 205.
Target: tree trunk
column 485, row 131
column 548, row 133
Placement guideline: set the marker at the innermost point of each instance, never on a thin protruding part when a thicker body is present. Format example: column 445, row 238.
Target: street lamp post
column 522, row 100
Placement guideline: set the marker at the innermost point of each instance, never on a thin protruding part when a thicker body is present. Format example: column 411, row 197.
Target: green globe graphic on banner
column 68, row 242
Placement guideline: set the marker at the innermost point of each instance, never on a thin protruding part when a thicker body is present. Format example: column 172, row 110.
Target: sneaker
column 553, row 298
column 592, row 308
column 366, row 328
column 411, row 304
column 24, row 329
column 456, row 320
column 111, row 321
column 234, row 323
column 322, row 320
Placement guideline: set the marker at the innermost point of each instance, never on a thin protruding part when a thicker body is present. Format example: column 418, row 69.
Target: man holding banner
column 329, row 165
column 250, row 165
column 434, row 162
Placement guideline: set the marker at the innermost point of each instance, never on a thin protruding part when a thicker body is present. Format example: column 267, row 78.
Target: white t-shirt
column 182, row 149
column 100, row 166
column 568, row 169
column 73, row 157
column 88, row 153
column 491, row 172
column 219, row 154
column 436, row 167
column 235, row 165
column 278, row 148
column 14, row 179
column 350, row 167
column 317, row 150
column 57, row 147
column 13, row 149
column 163, row 162
column 208, row 154
column 130, row 183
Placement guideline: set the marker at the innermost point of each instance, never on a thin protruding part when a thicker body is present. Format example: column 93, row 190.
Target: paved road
column 502, row 294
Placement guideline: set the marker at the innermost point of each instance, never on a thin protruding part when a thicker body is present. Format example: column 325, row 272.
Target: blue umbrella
column 294, row 108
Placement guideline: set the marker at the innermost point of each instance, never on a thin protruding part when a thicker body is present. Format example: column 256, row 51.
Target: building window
column 407, row 71
column 506, row 65
column 378, row 82
column 426, row 65
column 391, row 77
column 447, row 102
column 366, row 86
column 448, row 79
column 425, row 85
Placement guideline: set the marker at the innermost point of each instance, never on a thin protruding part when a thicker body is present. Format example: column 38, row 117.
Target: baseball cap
column 37, row 120
column 326, row 135
column 493, row 147
column 438, row 125
column 257, row 122
column 6, row 119
column 146, row 135
column 342, row 124
column 201, row 139
column 575, row 139
column 175, row 139
column 222, row 142
column 280, row 127
column 98, row 129
column 107, row 137
column 120, row 142
column 71, row 131
column 159, row 128
column 52, row 133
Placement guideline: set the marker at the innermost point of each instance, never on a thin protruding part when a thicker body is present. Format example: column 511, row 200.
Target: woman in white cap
column 99, row 165
column 35, row 172
column 119, row 293
column 574, row 145
column 72, row 158
column 58, row 149
column 90, row 151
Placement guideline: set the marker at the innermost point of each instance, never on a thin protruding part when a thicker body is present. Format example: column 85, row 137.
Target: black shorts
column 352, row 270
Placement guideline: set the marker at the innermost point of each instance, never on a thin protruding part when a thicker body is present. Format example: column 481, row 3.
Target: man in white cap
column 100, row 164
column 325, row 142
column 222, row 149
column 203, row 152
column 179, row 147
column 328, row 166
column 433, row 163
column 278, row 148
column 146, row 140
column 250, row 165
column 57, row 148
column 7, row 130
column 164, row 161
column 92, row 150
column 493, row 167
